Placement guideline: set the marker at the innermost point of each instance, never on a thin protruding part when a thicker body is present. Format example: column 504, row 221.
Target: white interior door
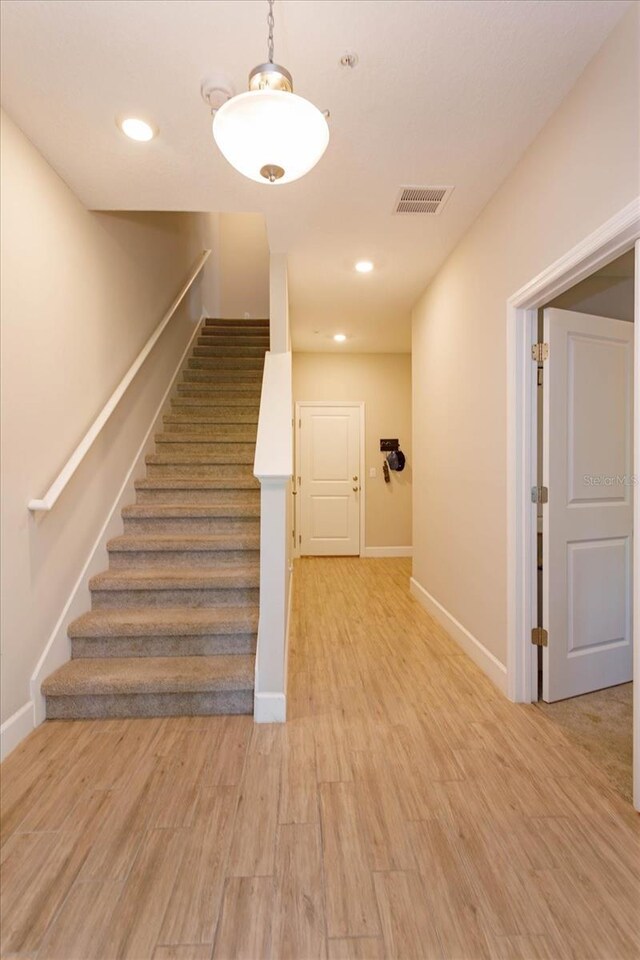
column 329, row 489
column 588, row 521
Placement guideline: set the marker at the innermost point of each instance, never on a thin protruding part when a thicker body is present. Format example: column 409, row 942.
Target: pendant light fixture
column 270, row 134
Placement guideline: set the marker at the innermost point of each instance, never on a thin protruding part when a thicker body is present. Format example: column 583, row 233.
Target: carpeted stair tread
column 130, row 543
column 177, row 578
column 196, row 510
column 228, row 457
column 239, row 482
column 217, row 416
column 126, row 675
column 169, row 437
column 165, row 621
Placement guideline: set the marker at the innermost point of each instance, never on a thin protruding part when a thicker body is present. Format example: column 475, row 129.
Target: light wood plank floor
column 407, row 810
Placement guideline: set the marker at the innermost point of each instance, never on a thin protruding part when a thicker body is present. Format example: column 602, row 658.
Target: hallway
column 405, row 810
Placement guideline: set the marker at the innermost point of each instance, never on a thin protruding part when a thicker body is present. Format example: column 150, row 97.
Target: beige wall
column 383, row 381
column 81, row 293
column 243, row 265
column 582, row 169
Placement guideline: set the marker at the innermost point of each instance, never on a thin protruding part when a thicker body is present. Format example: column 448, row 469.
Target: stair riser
column 261, row 322
column 247, row 402
column 199, row 396
column 199, row 471
column 233, row 352
column 209, row 337
column 189, row 465
column 130, row 599
column 223, row 452
column 228, row 364
column 223, row 379
column 141, row 559
column 247, row 431
column 150, row 705
column 203, row 412
column 203, row 646
column 220, row 391
column 193, row 526
column 246, row 330
column 202, row 497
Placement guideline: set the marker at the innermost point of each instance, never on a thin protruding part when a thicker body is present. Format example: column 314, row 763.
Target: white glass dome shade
column 271, row 136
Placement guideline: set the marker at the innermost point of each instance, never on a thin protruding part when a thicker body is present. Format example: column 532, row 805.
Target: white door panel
column 330, row 481
column 588, row 521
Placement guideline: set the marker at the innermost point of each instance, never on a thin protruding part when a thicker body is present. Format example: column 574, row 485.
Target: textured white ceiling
column 446, row 92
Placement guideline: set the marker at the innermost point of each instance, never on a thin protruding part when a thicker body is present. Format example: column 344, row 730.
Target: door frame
column 296, row 433
column 616, row 236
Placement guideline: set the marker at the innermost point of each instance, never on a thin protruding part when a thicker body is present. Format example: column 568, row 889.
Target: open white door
column 329, row 488
column 588, row 521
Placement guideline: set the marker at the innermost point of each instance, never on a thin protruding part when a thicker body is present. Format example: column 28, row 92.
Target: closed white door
column 588, row 521
column 329, row 489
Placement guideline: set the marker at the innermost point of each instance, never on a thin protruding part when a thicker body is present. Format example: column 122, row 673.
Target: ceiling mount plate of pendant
column 270, row 76
column 270, row 134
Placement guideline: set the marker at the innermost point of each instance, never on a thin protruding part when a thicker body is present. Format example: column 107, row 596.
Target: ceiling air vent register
column 429, row 200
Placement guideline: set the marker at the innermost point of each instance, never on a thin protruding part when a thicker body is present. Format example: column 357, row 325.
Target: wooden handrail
column 85, row 444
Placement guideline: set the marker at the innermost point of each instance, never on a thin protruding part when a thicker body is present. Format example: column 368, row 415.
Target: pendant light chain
column 270, row 24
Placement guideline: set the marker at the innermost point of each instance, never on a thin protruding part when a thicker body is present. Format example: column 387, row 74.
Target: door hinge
column 540, row 352
column 539, row 494
column 300, row 422
column 539, row 637
column 300, row 540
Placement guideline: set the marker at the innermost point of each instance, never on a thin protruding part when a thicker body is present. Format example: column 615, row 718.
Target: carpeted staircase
column 173, row 624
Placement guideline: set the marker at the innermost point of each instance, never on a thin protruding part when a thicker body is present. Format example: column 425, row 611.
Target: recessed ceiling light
column 137, row 129
column 339, row 337
column 364, row 266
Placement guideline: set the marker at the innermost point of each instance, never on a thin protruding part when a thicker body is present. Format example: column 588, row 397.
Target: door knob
column 355, row 489
column 355, row 478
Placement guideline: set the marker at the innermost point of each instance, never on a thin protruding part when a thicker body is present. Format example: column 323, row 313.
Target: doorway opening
column 614, row 238
column 584, row 495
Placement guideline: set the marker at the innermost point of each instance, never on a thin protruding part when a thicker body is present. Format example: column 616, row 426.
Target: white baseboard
column 387, row 552
column 483, row 658
column 58, row 647
column 286, row 635
column 270, row 708
column 15, row 728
